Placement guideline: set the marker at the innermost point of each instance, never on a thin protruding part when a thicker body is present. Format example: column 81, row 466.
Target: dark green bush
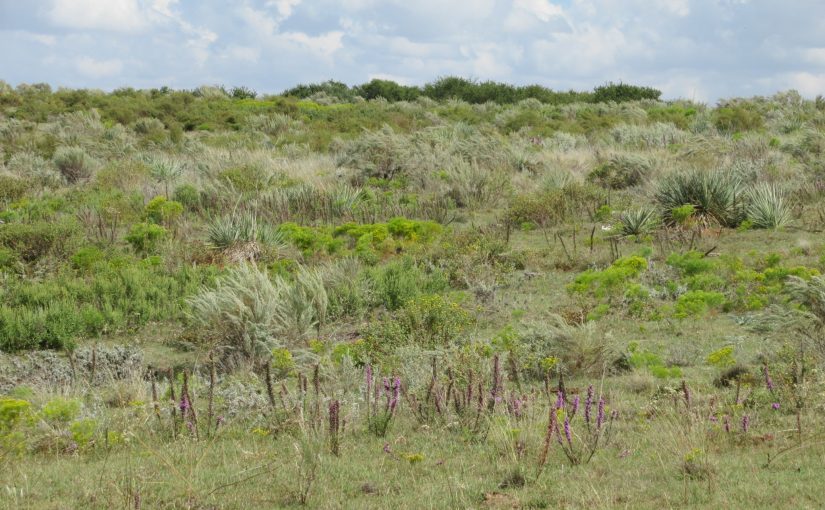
column 31, row 241
column 620, row 92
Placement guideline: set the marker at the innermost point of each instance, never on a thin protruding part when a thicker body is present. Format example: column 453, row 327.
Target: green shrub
column 641, row 358
column 620, row 92
column 717, row 196
column 73, row 163
column 85, row 258
column 13, row 412
column 7, row 258
column 396, row 283
column 31, row 241
column 188, row 196
column 145, row 237
column 12, row 188
column 428, row 321
column 54, row 326
column 162, row 211
column 697, row 302
column 621, row 171
column 61, row 410
column 734, row 119
column 690, row 263
column 610, row 281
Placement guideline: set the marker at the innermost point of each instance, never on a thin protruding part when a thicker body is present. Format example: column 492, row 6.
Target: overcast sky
column 698, row 49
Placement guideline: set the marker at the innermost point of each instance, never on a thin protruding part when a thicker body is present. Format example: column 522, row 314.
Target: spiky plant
column 638, row 222
column 73, row 163
column 165, row 171
column 767, row 207
column 241, row 314
column 241, row 236
column 717, row 196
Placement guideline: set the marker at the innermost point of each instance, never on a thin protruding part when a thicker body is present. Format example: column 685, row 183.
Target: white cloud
column 806, row 83
column 323, row 45
column 92, row 68
column 114, row 15
column 527, row 14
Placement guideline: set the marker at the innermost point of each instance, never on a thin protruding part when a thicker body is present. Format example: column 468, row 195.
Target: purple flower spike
column 775, row 406
column 567, row 434
column 575, row 406
column 588, row 403
column 746, row 423
column 559, row 400
column 768, row 380
column 600, row 416
column 396, row 393
column 184, row 404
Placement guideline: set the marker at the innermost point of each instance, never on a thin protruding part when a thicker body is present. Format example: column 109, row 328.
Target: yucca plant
column 638, row 222
column 766, row 207
column 165, row 171
column 717, row 197
column 240, row 236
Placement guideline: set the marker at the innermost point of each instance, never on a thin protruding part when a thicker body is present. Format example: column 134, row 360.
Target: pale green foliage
column 73, row 163
column 639, row 221
column 248, row 314
column 767, row 207
column 717, row 196
column 32, row 166
column 654, row 135
column 242, row 236
column 165, row 171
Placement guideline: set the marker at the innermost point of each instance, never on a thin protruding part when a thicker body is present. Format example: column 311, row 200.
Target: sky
column 703, row 50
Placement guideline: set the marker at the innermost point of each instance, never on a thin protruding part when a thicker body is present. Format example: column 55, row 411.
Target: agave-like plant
column 767, row 207
column 717, row 197
column 242, row 237
column 638, row 222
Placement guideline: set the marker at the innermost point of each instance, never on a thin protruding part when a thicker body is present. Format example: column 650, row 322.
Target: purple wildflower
column 517, row 407
column 567, row 434
column 746, row 423
column 387, row 448
column 184, row 404
column 775, row 406
column 396, row 393
column 600, row 416
column 559, row 399
column 575, row 406
column 768, row 380
column 588, row 403
column 713, row 418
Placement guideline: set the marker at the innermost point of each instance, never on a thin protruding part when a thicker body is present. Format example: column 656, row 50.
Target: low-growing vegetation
column 461, row 295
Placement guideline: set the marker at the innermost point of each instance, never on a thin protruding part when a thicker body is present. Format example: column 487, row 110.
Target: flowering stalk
column 334, row 426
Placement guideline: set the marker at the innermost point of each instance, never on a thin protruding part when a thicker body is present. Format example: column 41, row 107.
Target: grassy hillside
column 216, row 300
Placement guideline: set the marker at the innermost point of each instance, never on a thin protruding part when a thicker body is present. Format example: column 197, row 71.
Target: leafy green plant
column 145, row 238
column 638, row 222
column 73, row 163
column 716, row 196
column 767, row 207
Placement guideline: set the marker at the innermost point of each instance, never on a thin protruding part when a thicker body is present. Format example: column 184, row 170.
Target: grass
column 638, row 247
